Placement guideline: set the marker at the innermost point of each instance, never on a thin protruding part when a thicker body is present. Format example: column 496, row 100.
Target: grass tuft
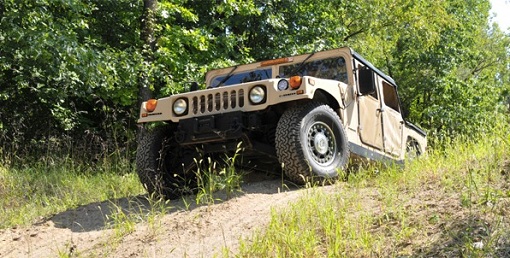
column 214, row 176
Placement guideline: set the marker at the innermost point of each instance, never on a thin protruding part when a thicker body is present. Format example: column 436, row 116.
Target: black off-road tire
column 311, row 143
column 164, row 168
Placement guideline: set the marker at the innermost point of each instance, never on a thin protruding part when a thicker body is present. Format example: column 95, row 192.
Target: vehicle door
column 369, row 104
column 393, row 122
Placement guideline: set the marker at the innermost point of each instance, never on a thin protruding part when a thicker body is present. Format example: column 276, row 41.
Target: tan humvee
column 307, row 114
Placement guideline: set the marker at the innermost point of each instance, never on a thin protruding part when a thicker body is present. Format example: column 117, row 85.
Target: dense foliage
column 70, row 70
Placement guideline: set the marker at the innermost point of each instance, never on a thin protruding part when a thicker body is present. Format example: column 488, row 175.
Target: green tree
column 59, row 75
column 449, row 85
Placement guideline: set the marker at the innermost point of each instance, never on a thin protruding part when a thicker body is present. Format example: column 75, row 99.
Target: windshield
column 242, row 77
column 330, row 68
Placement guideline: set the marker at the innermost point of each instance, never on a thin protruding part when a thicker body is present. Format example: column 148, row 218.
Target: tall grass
column 48, row 187
column 218, row 176
column 453, row 202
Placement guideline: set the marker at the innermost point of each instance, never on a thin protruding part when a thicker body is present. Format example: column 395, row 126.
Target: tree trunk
column 148, row 48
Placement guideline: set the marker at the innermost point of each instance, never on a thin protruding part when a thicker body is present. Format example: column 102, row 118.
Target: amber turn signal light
column 151, row 104
column 295, row 82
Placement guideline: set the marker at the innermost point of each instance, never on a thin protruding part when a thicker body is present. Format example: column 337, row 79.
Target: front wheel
column 311, row 142
column 164, row 168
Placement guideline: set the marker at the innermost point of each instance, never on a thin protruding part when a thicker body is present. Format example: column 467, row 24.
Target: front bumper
column 211, row 128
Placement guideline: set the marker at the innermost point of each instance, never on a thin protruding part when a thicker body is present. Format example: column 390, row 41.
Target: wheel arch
column 325, row 97
column 320, row 95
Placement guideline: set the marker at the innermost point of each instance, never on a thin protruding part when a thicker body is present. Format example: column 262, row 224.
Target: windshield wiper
column 301, row 65
column 226, row 77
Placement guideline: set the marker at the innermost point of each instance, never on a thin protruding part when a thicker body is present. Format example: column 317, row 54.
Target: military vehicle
column 305, row 115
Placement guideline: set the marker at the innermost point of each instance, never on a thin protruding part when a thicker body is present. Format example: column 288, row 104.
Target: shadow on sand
column 99, row 215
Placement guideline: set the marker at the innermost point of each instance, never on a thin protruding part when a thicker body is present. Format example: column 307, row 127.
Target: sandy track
column 183, row 231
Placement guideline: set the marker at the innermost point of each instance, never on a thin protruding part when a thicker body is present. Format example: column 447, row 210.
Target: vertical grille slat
column 195, row 105
column 210, row 102
column 225, row 100
column 233, row 99
column 202, row 104
column 217, row 101
column 241, row 98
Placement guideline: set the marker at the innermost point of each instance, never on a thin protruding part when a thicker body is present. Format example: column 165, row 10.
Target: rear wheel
column 413, row 149
column 311, row 142
column 164, row 168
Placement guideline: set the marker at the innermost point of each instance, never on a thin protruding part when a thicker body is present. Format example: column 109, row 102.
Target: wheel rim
column 321, row 143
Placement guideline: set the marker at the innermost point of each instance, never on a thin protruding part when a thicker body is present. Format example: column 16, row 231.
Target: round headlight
column 283, row 84
column 257, row 95
column 180, row 107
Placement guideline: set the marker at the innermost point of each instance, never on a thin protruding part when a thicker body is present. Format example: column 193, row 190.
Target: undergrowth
column 47, row 187
column 453, row 202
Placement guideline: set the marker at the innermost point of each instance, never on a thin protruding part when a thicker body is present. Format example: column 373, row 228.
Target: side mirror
column 366, row 81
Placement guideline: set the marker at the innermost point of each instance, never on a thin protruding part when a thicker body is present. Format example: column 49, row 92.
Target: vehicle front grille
column 219, row 101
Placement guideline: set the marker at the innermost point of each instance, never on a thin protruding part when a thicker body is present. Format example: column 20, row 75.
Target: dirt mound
column 183, row 229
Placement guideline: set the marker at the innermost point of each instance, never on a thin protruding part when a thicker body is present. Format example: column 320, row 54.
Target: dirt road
column 181, row 230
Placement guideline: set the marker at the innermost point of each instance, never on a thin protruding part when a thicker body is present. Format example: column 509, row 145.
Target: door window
column 390, row 96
